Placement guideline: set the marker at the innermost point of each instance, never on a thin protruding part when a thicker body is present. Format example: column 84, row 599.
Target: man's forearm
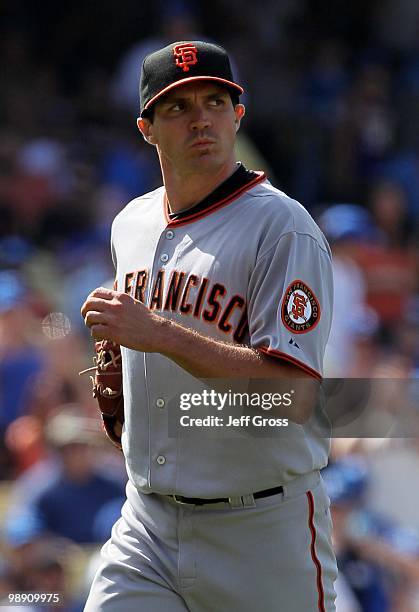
column 116, row 316
column 205, row 357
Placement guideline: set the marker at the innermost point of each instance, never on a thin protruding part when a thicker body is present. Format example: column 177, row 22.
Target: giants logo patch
column 300, row 309
column 185, row 55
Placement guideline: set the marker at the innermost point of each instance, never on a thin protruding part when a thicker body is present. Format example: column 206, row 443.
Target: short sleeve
column 290, row 301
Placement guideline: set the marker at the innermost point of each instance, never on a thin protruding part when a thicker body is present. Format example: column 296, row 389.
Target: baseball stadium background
column 332, row 96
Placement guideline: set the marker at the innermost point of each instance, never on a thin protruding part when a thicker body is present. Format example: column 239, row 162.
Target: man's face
column 194, row 128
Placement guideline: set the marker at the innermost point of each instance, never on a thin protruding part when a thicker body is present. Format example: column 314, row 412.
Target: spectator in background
column 346, row 481
column 323, row 86
column 178, row 21
column 364, row 132
column 67, row 503
column 394, row 466
column 21, row 356
column 36, row 563
column 25, row 441
column 407, row 338
column 389, row 208
column 350, row 349
column 378, row 556
column 29, row 187
column 57, row 382
column 390, row 263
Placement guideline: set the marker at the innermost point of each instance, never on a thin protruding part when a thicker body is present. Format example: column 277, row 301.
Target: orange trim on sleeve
column 203, row 213
column 320, row 590
column 296, row 362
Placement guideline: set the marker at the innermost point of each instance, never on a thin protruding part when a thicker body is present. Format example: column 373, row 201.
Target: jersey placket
column 162, row 446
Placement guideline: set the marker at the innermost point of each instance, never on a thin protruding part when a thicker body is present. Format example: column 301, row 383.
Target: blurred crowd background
column 332, row 96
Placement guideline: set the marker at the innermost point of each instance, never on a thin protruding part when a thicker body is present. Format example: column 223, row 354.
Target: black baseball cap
column 180, row 63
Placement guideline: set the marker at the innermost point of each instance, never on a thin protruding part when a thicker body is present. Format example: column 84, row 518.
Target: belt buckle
column 236, row 501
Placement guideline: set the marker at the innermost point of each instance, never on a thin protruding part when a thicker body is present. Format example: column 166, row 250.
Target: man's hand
column 116, row 316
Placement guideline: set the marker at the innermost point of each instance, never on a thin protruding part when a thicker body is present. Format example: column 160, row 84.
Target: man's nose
column 200, row 120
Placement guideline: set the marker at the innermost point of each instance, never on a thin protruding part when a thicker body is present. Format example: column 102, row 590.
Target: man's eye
column 217, row 102
column 177, row 107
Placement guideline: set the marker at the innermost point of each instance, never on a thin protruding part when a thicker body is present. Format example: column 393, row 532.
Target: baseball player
column 218, row 275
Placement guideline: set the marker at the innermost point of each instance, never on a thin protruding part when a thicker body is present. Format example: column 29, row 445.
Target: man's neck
column 184, row 191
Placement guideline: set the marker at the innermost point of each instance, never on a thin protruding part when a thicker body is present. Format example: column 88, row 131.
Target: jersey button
column 160, row 402
column 161, row 460
column 164, row 257
column 169, row 234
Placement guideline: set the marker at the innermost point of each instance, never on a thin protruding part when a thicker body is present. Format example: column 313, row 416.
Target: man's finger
column 102, row 292
column 93, row 317
column 98, row 304
column 100, row 332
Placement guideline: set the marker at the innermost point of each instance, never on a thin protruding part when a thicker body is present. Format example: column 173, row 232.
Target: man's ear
column 146, row 128
column 240, row 111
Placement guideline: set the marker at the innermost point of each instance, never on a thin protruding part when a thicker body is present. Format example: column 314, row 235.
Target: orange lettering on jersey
column 188, row 294
column 140, row 279
column 185, row 55
column 212, row 314
column 156, row 301
column 184, row 306
column 223, row 324
column 174, row 291
column 129, row 277
column 199, row 299
column 241, row 329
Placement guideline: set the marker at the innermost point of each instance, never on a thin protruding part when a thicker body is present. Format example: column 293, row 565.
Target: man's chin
column 206, row 159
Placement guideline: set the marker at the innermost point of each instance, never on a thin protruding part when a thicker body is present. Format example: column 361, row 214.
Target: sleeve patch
column 300, row 309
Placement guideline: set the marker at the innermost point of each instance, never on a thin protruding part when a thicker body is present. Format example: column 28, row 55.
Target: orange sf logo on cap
column 185, row 55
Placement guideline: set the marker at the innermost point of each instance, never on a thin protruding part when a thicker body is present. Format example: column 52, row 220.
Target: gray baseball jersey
column 251, row 267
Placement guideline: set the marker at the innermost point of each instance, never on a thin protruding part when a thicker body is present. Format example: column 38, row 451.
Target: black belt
column 199, row 501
